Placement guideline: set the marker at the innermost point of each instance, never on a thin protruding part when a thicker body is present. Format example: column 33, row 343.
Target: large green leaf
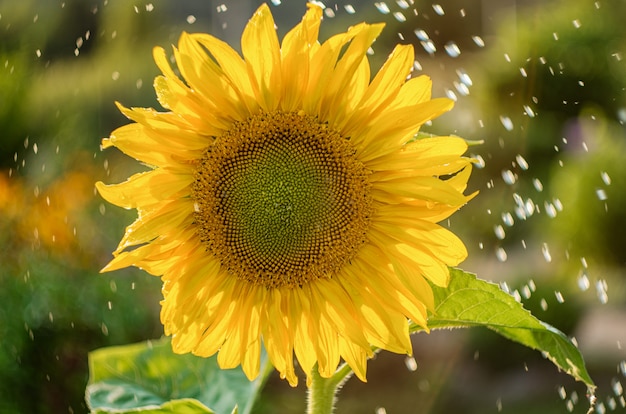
column 468, row 301
column 149, row 378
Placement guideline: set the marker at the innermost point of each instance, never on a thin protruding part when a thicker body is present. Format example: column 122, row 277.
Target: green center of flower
column 281, row 200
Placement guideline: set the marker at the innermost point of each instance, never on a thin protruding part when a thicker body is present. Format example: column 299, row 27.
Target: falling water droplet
column 601, row 194
column 601, row 290
column 452, row 49
column 546, row 252
column 499, row 232
column 411, row 363
column 403, row 4
column 507, row 219
column 537, row 184
column 438, row 9
column 583, row 282
column 479, row 41
column 382, row 7
column 509, row 177
column 399, row 16
column 529, row 111
column 605, row 178
column 550, row 209
column 559, row 296
column 428, row 46
column 501, row 254
column 480, row 161
column 421, row 34
column 523, row 164
column 464, row 77
column 506, row 122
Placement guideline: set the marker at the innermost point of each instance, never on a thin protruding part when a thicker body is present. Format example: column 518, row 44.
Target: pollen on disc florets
column 281, row 199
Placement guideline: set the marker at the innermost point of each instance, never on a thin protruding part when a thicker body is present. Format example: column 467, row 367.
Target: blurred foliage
column 63, row 64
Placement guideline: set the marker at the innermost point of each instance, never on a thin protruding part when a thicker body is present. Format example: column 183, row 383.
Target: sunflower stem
column 323, row 391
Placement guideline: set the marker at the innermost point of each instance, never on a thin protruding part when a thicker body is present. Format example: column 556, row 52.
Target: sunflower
column 288, row 202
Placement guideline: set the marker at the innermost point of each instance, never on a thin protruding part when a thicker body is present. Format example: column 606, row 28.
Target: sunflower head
column 288, row 202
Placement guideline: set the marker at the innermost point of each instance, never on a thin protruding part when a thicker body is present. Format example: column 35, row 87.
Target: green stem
column 323, row 391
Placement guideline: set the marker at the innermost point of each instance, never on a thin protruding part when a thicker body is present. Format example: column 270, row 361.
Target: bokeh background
column 542, row 83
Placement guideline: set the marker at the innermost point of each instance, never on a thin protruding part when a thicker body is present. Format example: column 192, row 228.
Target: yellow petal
column 206, row 76
column 233, row 67
column 385, row 86
column 144, row 189
column 296, row 55
column 260, row 47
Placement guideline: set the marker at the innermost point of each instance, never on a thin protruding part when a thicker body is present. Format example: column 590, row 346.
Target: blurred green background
column 541, row 82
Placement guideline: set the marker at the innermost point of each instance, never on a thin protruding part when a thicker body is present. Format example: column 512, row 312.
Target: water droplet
column 402, row 4
column 38, row 53
column 507, row 219
column 605, row 178
column 543, row 304
column 583, row 262
column 349, row 9
column 501, row 254
column 382, row 7
column 428, row 46
column 601, row 194
column 381, row 410
column 562, row 392
column 601, row 290
column 537, row 184
column 450, row 94
column 576, row 23
column 529, row 111
column 411, row 363
column 222, row 8
column 461, row 88
column 546, row 252
column 550, row 209
column 438, row 9
column 499, row 232
column 479, row 41
column 522, row 71
column 506, row 122
column 399, row 16
column 559, row 296
column 480, row 161
column 464, row 77
column 452, row 49
column 617, row 387
column 191, row 19
column 421, row 34
column 557, row 204
column 509, row 177
column 521, row 161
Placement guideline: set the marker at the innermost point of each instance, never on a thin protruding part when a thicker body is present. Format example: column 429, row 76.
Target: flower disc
column 281, row 200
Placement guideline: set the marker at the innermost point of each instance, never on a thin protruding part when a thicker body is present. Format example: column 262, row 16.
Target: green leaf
column 468, row 301
column 149, row 378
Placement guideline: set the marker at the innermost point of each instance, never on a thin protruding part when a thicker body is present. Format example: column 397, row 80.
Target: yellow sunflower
column 288, row 203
